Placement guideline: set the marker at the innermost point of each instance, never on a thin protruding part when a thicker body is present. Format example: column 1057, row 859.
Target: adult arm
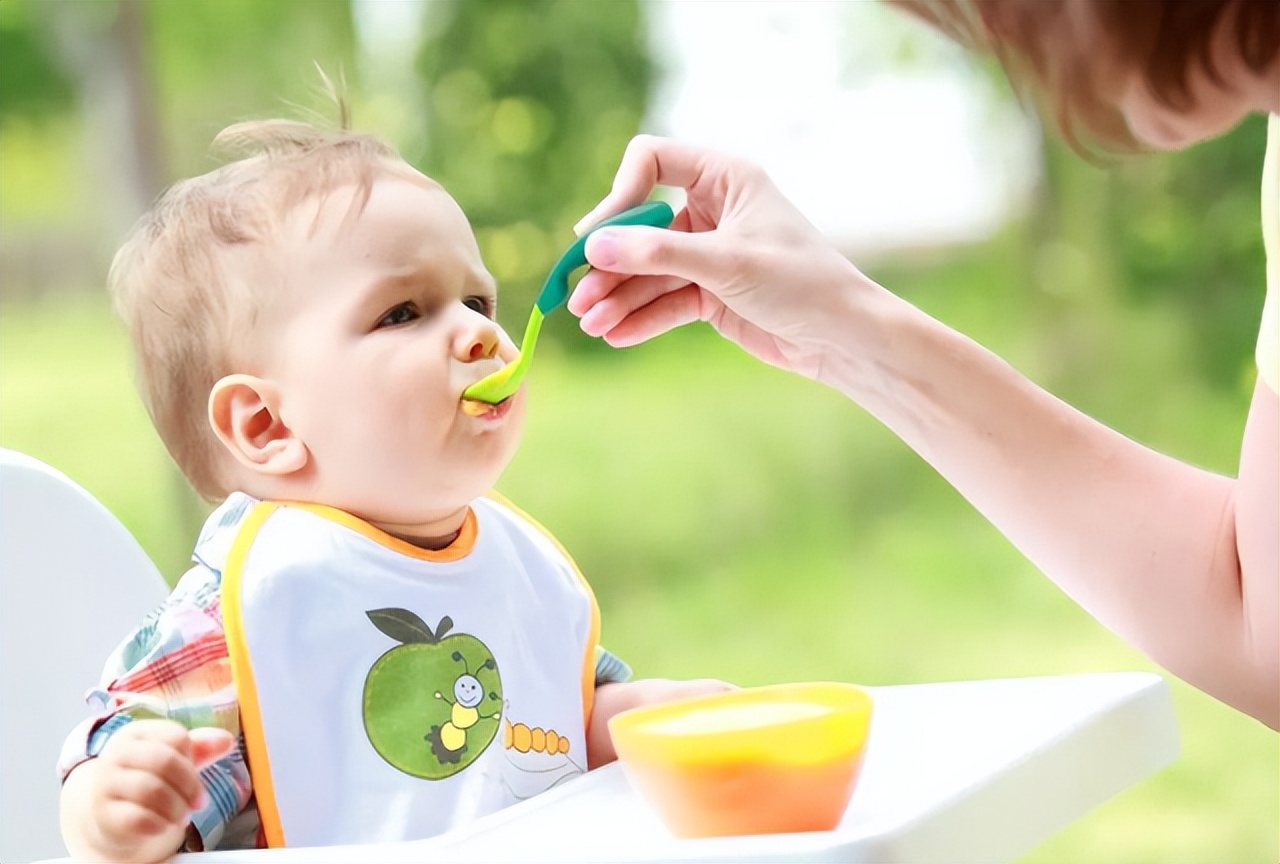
column 1179, row 561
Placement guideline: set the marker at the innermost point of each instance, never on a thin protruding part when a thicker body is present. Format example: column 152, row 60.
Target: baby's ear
column 244, row 412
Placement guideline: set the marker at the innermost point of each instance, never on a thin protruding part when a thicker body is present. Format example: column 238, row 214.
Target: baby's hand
column 615, row 698
column 135, row 799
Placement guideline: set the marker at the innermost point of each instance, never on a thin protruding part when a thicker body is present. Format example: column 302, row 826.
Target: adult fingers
column 644, row 251
column 647, row 162
column 593, row 287
column 623, row 296
column 666, row 313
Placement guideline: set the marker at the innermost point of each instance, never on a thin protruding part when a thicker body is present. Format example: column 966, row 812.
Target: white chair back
column 73, row 582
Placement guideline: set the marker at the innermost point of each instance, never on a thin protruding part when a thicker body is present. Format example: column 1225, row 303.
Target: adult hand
column 134, row 801
column 739, row 256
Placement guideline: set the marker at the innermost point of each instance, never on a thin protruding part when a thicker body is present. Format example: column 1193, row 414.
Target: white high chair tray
column 978, row 771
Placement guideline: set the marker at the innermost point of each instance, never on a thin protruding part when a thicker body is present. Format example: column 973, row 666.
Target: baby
column 371, row 645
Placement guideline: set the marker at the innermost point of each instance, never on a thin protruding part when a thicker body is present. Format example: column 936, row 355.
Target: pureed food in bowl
column 759, row 760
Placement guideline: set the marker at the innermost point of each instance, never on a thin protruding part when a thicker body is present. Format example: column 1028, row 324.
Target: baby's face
column 384, row 319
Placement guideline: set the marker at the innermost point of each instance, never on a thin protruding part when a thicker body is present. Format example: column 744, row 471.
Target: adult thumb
column 637, row 250
column 209, row 744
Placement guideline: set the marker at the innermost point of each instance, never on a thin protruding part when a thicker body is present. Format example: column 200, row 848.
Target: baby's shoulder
column 198, row 586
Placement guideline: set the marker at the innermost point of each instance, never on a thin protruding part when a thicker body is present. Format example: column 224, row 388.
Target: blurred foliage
column 33, row 84
column 218, row 61
column 107, row 101
column 203, row 63
column 1187, row 226
column 530, row 106
column 1107, row 253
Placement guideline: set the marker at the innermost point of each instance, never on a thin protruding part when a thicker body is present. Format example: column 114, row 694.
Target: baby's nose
column 481, row 344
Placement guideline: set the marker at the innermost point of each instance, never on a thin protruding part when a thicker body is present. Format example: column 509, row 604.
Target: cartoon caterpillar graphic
column 517, row 736
column 537, row 759
column 450, row 739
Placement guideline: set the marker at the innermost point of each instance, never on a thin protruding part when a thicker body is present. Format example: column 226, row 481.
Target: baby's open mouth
column 484, row 409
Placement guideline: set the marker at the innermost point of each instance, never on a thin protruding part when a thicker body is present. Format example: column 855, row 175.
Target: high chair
column 979, row 771
column 73, row 582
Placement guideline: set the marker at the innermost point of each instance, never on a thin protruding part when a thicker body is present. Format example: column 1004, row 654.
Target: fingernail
column 581, row 226
column 587, row 323
column 602, row 249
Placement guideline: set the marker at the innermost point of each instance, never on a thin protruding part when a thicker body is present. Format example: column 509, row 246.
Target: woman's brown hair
column 1073, row 52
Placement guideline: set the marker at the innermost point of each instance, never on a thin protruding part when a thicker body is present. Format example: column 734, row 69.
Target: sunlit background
column 734, row 521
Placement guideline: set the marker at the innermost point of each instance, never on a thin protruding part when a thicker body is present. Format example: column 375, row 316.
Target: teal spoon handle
column 493, row 388
column 657, row 214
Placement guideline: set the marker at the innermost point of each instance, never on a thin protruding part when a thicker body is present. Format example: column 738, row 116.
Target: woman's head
column 1128, row 74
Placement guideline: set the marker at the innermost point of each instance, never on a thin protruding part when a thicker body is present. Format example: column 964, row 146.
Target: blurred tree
column 219, row 61
column 81, row 145
column 529, row 107
column 1175, row 232
column 1189, row 234
column 155, row 81
column 33, row 86
column 103, row 48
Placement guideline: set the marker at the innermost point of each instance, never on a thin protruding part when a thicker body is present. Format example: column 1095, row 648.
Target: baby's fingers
column 164, row 758
column 209, row 744
column 139, row 803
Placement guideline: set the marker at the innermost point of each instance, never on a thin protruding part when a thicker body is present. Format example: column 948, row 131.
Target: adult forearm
column 1179, row 561
column 1144, row 542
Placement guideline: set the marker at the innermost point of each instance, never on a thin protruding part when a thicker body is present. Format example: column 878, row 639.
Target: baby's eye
column 401, row 313
column 483, row 305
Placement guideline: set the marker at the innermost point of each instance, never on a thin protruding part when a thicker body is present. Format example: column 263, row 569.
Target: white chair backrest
column 73, row 582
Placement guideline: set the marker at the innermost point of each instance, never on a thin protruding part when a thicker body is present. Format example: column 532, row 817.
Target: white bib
column 389, row 692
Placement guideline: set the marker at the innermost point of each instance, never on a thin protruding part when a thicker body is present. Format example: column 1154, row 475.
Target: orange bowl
column 759, row 760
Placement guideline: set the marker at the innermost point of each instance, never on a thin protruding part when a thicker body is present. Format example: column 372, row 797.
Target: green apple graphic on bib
column 433, row 703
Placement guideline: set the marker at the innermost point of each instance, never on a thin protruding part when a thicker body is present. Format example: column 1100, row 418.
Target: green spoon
column 492, row 389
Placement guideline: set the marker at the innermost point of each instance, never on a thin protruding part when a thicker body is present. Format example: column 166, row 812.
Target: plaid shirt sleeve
column 175, row 666
column 610, row 668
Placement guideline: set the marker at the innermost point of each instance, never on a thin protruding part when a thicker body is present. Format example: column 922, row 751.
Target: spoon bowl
column 502, row 384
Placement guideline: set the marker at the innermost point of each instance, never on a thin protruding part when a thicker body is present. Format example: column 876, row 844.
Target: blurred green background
column 756, row 528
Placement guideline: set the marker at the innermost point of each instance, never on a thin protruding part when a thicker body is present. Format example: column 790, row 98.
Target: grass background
column 754, row 527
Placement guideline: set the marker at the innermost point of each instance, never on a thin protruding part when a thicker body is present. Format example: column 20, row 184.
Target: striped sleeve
column 610, row 668
column 174, row 666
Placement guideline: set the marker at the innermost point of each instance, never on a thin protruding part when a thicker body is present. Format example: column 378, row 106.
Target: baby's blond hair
column 187, row 307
